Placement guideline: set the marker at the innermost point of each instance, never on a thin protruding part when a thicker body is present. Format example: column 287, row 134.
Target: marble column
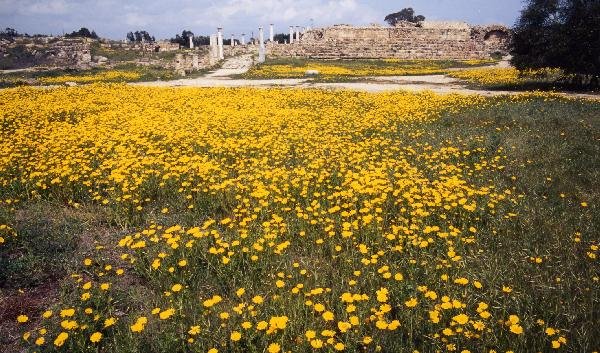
column 243, row 39
column 233, row 40
column 298, row 34
column 291, row 34
column 214, row 49
column 271, row 33
column 191, row 42
column 220, row 43
column 261, row 45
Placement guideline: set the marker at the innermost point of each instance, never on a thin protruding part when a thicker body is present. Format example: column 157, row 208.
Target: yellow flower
column 411, row 303
column 461, row 319
column 139, row 324
column 274, row 348
column 316, row 343
column 22, row 319
column 513, row 319
column 328, row 316
column 96, row 337
column 176, row 288
column 67, row 312
column 109, row 322
column 166, row 314
column 235, row 336
column 516, row 329
column 69, row 324
column 40, row 341
column 60, row 339
column 194, row 330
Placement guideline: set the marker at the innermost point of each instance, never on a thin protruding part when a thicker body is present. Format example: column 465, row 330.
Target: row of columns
column 216, row 41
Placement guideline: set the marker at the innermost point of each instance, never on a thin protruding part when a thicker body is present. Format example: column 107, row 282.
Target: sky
column 163, row 19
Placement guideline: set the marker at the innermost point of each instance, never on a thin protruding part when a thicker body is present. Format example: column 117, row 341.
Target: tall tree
column 406, row 14
column 561, row 34
column 184, row 38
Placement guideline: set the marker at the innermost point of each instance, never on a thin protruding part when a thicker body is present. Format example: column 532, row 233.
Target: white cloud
column 34, row 7
column 292, row 12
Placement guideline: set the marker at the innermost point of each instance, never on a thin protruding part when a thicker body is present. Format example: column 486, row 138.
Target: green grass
column 147, row 73
column 549, row 147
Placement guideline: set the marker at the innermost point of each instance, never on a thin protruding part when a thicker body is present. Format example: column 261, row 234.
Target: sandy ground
column 435, row 83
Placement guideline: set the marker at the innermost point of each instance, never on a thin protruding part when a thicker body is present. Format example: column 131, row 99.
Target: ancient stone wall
column 430, row 40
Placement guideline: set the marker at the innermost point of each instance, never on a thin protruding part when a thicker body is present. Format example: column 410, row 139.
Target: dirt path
column 241, row 64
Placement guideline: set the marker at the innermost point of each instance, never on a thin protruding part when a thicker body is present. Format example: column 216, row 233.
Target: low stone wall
column 458, row 42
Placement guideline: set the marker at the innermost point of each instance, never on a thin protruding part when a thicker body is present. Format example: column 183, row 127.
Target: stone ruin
column 425, row 40
column 47, row 51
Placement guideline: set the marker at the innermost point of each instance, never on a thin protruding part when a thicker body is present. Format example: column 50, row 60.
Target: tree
column 281, row 37
column 139, row 36
column 83, row 32
column 407, row 14
column 561, row 34
column 201, row 40
column 184, row 38
column 9, row 33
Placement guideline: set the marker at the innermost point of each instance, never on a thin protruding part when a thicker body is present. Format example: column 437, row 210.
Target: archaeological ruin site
column 424, row 40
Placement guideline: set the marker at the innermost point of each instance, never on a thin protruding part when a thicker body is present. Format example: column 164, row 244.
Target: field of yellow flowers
column 286, row 220
column 339, row 69
column 506, row 76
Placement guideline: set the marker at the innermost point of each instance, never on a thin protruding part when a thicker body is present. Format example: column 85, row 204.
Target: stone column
column 220, row 42
column 195, row 62
column 298, row 34
column 291, row 34
column 191, row 42
column 214, row 49
column 243, row 40
column 233, row 40
column 271, row 33
column 261, row 45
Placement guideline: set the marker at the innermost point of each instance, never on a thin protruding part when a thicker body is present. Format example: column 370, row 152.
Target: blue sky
column 114, row 18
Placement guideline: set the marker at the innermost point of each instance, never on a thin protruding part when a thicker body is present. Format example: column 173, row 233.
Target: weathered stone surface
column 99, row 59
column 48, row 51
column 426, row 40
